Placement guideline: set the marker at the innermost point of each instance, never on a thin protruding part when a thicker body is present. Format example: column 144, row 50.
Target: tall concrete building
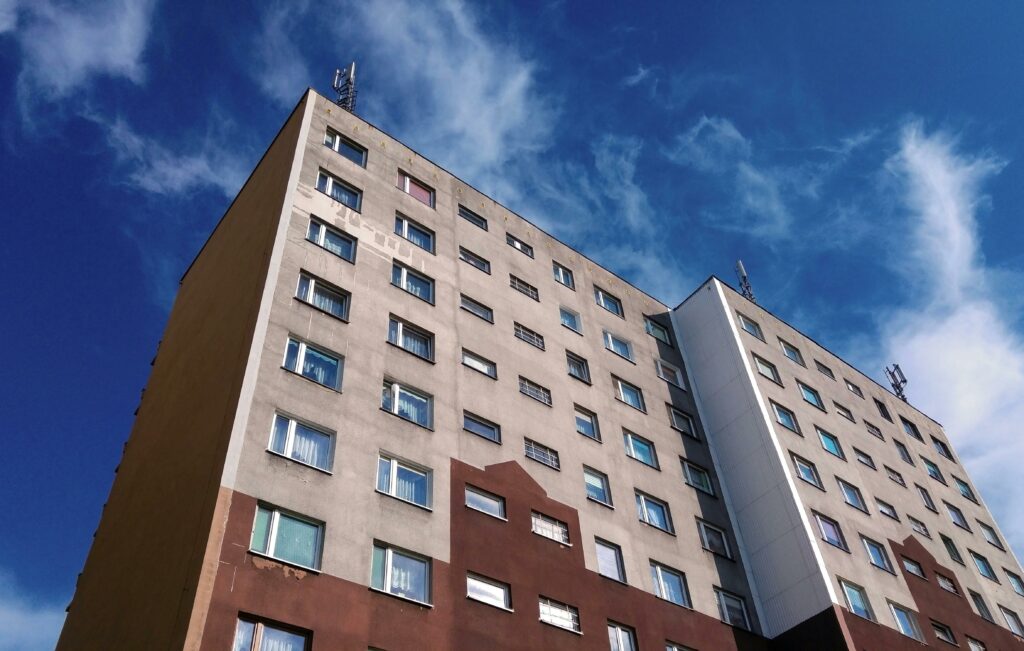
column 388, row 413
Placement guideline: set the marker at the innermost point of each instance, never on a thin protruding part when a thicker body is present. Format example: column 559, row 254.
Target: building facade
column 388, row 413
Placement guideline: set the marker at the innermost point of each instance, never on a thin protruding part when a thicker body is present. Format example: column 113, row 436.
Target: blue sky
column 861, row 158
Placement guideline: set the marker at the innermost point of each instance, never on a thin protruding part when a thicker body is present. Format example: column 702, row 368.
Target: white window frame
column 642, row 502
column 655, row 329
column 915, row 628
column 396, row 389
column 1013, row 621
column 779, row 410
column 402, row 226
column 762, row 365
column 721, row 597
column 519, row 245
column 498, row 501
column 559, row 615
column 563, row 275
column 315, row 284
column 625, row 637
column 289, row 442
column 706, row 530
column 272, row 531
column 478, row 262
column 689, row 469
column 399, row 337
column 588, row 415
column 531, row 389
column 563, row 311
column 258, row 628
column 630, row 439
column 847, row 587
column 605, row 485
column 394, row 463
column 806, row 390
column 845, row 486
column 601, row 296
column 616, row 551
column 475, row 308
column 505, row 602
column 800, row 462
column 670, row 373
column 405, row 180
column 620, row 394
column 541, row 453
column 787, row 348
column 472, row 217
column 335, row 145
column 321, row 237
column 550, row 528
column 610, row 338
column 389, row 554
column 869, row 544
column 300, row 361
column 479, row 364
column 691, row 427
column 658, row 572
column 404, row 273
column 821, row 520
column 328, row 190
column 754, row 328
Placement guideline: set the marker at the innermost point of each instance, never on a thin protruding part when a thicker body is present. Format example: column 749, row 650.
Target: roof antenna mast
column 898, row 380
column 345, row 86
column 745, row 288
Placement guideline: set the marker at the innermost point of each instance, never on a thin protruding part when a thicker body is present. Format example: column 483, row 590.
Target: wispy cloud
column 281, row 71
column 8, row 15
column 637, row 77
column 26, row 624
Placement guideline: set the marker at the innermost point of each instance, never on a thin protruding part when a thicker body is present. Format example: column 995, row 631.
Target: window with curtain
column 404, row 480
column 301, row 442
column 338, row 190
column 332, row 239
column 415, row 340
column 322, row 295
column 416, row 284
column 313, row 363
column 287, row 537
column 400, row 573
column 407, row 403
column 251, row 635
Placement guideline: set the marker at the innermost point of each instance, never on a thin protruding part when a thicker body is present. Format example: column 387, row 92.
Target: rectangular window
column 951, row 549
column 529, row 336
column 519, row 245
column 654, row 512
column 479, row 364
column 844, row 412
column 559, row 614
column 1015, row 582
column 549, row 527
column 418, row 234
column 697, row 477
column 857, row 600
column 542, row 453
column 586, row 423
column 577, row 366
column 523, row 287
column 981, row 606
column 984, row 567
column 864, row 458
column 904, row 452
column 657, row 330
column 340, row 191
column 407, row 403
column 877, row 554
column 965, row 489
column 913, row 567
column 415, row 283
column 598, row 488
column 323, row 296
column 347, row 148
column 933, row 470
column 489, row 503
column 301, row 442
column 911, row 429
column 831, row 531
column 767, row 369
column 854, row 389
column 943, row 449
column 481, row 427
column 714, row 539
column 906, row 621
column 946, row 583
column 831, row 443
column 488, row 591
column 476, row 308
column 410, row 338
column 682, row 422
column 1013, row 621
column 824, row 370
column 401, row 573
column 313, row 363
column 563, row 275
column 785, row 417
column 618, row 345
column 534, row 390
column 732, row 609
column 287, row 537
column 883, row 411
column 251, row 635
column 333, row 240
column 472, row 217
column 957, row 516
column 416, row 189
column 474, row 260
column 608, row 302
column 895, row 476
column 852, row 495
column 670, row 584
column 629, row 394
column 792, row 352
column 406, row 481
column 669, row 373
column 806, row 471
column 811, row 396
column 926, row 498
column 874, row 431
column 750, row 326
column 639, row 448
column 621, row 638
column 919, row 527
column 943, row 633
column 609, row 560
column 570, row 319
column 886, row 509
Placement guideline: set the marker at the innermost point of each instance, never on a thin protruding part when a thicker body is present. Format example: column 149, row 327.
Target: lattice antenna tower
column 898, row 381
column 345, row 86
column 745, row 288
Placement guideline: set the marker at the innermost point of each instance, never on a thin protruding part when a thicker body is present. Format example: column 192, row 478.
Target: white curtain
column 310, row 446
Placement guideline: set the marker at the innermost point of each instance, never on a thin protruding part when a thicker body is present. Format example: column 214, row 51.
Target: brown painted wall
column 148, row 551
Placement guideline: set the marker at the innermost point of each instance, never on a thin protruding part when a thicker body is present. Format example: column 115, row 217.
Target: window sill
column 718, row 555
column 491, row 321
column 301, row 463
column 404, row 501
column 357, row 209
column 488, row 272
column 340, row 257
column 403, row 418
column 572, row 330
column 702, row 491
column 476, row 370
column 641, row 410
column 644, row 463
column 597, row 501
column 811, row 483
column 300, row 375
column 620, row 355
column 561, row 628
column 486, row 438
column 490, row 515
column 619, row 582
column 430, row 251
column 363, row 166
column 657, row 528
column 546, row 404
column 480, row 601
column 410, row 600
column 555, row 468
column 257, row 554
column 578, row 378
column 429, row 301
column 557, row 542
column 424, row 359
column 320, row 310
column 621, row 316
column 818, row 407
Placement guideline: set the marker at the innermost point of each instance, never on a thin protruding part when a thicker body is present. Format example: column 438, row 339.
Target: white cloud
column 640, row 75
column 712, row 144
column 615, row 160
column 26, row 624
column 8, row 15
column 280, row 70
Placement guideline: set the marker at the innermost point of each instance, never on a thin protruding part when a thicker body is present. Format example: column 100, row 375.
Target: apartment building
column 388, row 413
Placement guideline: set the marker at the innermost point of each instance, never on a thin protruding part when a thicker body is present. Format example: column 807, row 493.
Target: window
column 671, row 646
column 534, row 390
column 338, row 190
column 957, row 516
column 400, row 573
column 830, row 443
column 913, row 567
column 563, row 275
column 331, row 239
column 418, row 234
column 681, row 422
column 965, row 489
column 621, row 638
column 608, row 302
column 824, row 370
column 653, row 511
column 404, row 480
column 951, row 549
column 750, row 326
column 416, row 189
column 478, row 363
column 1015, row 582
column 942, row 448
column 657, row 330
column 347, row 148
column 529, row 336
column 669, row 373
column 714, row 539
column 597, row 485
column 489, row 503
column 975, row 645
column 559, row 614
column 629, row 394
column 578, row 367
column 831, row 532
column 990, row 535
column 877, row 554
column 570, row 319
column 697, row 477
column 731, row 609
column 519, row 245
column 864, row 458
column 882, row 410
column 854, row 389
column 488, row 591
column 640, row 449
column 811, row 395
column 323, row 296
column 844, row 412
column 586, row 423
column 303, row 443
column 926, row 498
column 886, row 509
column 857, row 599
column 895, row 476
column 792, row 352
column 313, row 363
column 919, row 527
column 259, row 636
column 287, row 537
column 946, row 583
column 911, row 429
column 523, row 287
column 415, row 283
column 984, row 567
column 904, row 452
column 933, row 470
column 407, row 403
column 785, row 417
column 609, row 560
column 767, row 369
column 981, row 606
column 476, row 308
column 906, row 621
column 1013, row 621
column 670, row 584
column 474, row 260
column 874, row 431
column 472, row 217
column 852, row 495
column 943, row 632
column 806, row 471
column 619, row 346
column 410, row 338
column 549, row 527
column 481, row 427
column 541, row 453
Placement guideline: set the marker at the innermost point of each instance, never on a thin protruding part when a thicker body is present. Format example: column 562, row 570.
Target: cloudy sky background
column 862, row 159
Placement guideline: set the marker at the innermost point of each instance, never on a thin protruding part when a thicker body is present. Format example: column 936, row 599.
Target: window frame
column 523, row 287
column 275, row 515
column 483, row 361
column 340, row 138
column 957, row 516
column 396, row 389
column 642, row 500
column 528, row 335
column 501, row 510
column 616, row 551
column 913, row 567
column 550, row 528
column 824, row 522
column 870, row 544
column 472, row 217
column 610, row 339
column 844, row 486
column 397, row 337
column 844, row 411
column 542, row 454
column 321, row 238
column 864, row 458
column 571, row 614
column 601, row 297
column 691, row 432
column 315, row 283
column 688, row 467
column 563, row 275
column 847, row 587
column 723, row 611
column 463, row 300
column 605, row 484
column 755, row 328
column 519, row 245
column 630, row 439
column 406, row 180
column 330, row 181
column 531, row 389
column 652, row 327
column 577, row 319
column 778, row 410
column 625, row 637
column 806, row 390
column 289, row 440
column 919, row 526
column 799, row 463
column 658, row 570
column 403, row 225
column 259, row 625
column 588, row 415
column 581, row 364
column 887, row 509
column 474, row 260
column 760, row 364
column 663, row 368
column 480, row 420
column 824, row 435
column 506, row 591
column 620, row 384
column 789, row 350
column 395, row 465
column 404, row 272
column 302, row 348
column 389, row 552
column 704, row 528
column 911, row 619
column 984, row 567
